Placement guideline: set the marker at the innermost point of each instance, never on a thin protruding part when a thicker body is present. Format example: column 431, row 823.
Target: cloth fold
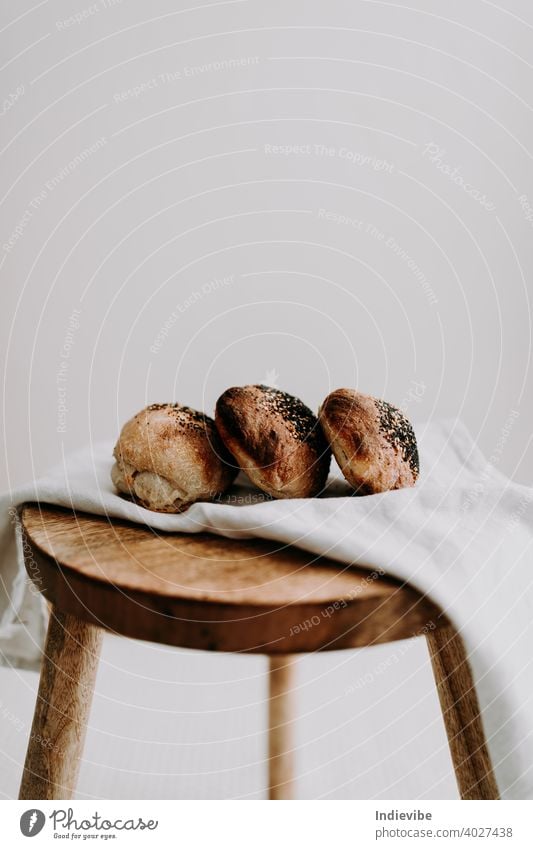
column 463, row 535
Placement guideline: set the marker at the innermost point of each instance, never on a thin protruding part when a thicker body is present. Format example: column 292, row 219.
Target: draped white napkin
column 463, row 535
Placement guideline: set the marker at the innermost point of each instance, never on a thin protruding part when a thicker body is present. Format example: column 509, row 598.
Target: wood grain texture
column 460, row 710
column 281, row 755
column 62, row 709
column 208, row 592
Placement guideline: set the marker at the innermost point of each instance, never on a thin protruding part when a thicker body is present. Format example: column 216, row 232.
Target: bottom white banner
column 258, row 825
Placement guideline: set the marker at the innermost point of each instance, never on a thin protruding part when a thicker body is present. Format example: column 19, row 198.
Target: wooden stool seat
column 208, row 592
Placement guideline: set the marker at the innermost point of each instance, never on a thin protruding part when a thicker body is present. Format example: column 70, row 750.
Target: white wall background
column 170, row 226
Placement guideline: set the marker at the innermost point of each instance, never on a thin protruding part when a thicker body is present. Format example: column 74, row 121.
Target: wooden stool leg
column 460, row 709
column 280, row 721
column 63, row 703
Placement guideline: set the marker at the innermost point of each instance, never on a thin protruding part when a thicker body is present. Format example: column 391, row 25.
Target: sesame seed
column 184, row 417
column 299, row 418
column 399, row 431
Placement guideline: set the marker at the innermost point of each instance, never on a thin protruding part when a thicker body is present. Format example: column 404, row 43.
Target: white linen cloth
column 463, row 535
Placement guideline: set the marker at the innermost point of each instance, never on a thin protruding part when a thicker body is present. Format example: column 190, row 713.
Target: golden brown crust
column 169, row 456
column 275, row 439
column 372, row 441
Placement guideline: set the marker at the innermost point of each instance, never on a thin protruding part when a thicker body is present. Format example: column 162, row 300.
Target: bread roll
column 275, row 439
column 169, row 456
column 372, row 441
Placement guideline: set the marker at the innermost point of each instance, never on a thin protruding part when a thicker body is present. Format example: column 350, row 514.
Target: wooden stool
column 206, row 592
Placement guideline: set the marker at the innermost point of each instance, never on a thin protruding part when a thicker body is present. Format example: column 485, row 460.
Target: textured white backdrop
column 307, row 194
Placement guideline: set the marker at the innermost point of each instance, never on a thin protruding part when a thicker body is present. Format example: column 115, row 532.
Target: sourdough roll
column 372, row 441
column 169, row 456
column 275, row 439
